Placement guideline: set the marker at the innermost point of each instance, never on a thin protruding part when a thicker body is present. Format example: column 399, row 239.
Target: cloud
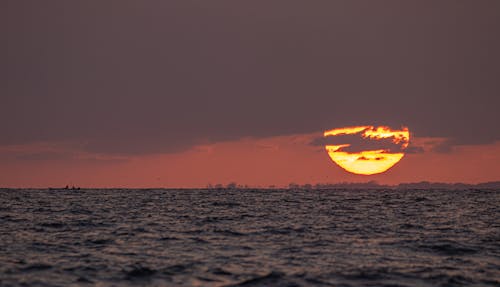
column 44, row 156
column 445, row 146
column 411, row 149
column 357, row 143
column 165, row 76
column 55, row 152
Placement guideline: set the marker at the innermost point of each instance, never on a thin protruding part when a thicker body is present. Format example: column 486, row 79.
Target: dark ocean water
column 249, row 238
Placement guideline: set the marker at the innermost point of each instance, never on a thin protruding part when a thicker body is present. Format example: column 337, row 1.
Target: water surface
column 249, row 238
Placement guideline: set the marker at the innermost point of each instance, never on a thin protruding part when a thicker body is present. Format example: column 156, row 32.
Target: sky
column 190, row 93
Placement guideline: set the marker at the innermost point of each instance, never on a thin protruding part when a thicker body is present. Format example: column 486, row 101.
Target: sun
column 370, row 161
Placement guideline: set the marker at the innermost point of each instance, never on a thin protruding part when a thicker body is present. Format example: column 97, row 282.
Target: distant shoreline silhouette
column 424, row 185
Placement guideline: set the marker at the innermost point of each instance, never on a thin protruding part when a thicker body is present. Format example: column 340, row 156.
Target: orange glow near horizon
column 277, row 161
column 368, row 162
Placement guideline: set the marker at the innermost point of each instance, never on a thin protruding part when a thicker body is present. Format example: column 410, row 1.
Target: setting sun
column 368, row 162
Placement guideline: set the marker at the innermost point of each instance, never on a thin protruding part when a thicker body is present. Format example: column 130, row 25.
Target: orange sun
column 368, row 162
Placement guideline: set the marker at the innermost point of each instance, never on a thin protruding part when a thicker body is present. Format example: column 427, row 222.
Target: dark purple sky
column 159, row 76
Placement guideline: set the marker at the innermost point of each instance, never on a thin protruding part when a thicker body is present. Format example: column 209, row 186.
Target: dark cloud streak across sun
column 161, row 76
column 358, row 143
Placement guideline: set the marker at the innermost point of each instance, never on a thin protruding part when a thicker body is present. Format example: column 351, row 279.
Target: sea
column 249, row 237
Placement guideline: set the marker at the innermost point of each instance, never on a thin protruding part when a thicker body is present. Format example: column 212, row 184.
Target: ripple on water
column 249, row 238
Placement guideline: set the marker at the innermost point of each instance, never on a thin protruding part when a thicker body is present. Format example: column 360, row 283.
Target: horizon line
column 233, row 185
